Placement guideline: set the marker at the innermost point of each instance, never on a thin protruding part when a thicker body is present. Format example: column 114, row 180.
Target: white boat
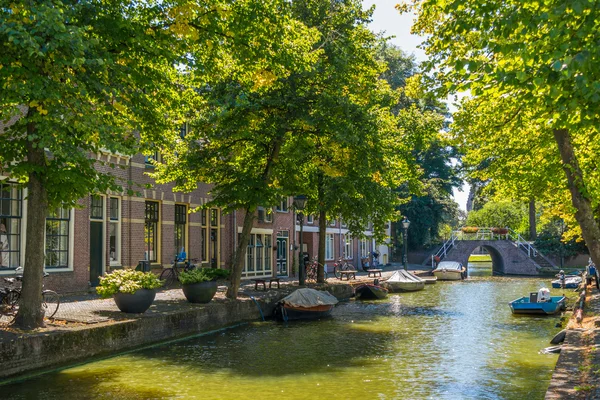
column 404, row 281
column 449, row 271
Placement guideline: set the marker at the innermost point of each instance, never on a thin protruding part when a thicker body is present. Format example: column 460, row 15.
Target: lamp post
column 405, row 225
column 299, row 204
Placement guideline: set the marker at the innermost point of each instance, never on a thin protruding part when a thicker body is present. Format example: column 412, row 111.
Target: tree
column 503, row 214
column 539, row 56
column 80, row 78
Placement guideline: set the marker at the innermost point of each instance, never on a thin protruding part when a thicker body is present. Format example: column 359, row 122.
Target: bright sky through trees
column 387, row 19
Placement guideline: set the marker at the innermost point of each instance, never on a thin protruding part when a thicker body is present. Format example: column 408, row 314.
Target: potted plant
column 133, row 291
column 200, row 285
column 500, row 231
column 469, row 229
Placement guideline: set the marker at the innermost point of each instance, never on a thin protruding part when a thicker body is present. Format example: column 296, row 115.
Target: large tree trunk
column 579, row 195
column 532, row 221
column 30, row 314
column 235, row 276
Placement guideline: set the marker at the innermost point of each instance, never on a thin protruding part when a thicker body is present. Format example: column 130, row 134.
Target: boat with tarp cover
column 403, row 281
column 449, row 271
column 370, row 292
column 305, row 303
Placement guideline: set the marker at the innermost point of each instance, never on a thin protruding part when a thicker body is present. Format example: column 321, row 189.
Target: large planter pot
column 137, row 302
column 202, row 292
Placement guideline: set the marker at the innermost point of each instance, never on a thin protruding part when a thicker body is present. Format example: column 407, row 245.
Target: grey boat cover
column 404, row 276
column 307, row 297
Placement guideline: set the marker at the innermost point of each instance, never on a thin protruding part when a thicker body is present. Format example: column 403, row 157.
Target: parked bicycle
column 11, row 295
column 342, row 265
column 312, row 268
column 171, row 274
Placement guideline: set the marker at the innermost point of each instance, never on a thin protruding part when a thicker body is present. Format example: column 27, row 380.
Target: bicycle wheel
column 9, row 303
column 168, row 276
column 50, row 303
column 336, row 272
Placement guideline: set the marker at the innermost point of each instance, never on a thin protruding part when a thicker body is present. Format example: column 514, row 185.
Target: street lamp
column 405, row 225
column 299, row 204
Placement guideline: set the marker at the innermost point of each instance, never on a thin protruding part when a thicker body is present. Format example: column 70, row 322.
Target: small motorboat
column 370, row 291
column 404, row 281
column 538, row 303
column 449, row 271
column 571, row 282
column 305, row 303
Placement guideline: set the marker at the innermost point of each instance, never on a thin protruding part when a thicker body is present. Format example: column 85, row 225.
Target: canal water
column 453, row 340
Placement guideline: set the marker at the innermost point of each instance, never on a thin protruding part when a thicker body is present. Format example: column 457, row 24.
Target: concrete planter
column 202, row 292
column 135, row 303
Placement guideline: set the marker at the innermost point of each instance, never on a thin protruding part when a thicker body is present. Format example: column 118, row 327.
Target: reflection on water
column 453, row 340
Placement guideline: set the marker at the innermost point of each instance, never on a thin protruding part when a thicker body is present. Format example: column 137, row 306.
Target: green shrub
column 199, row 275
column 126, row 281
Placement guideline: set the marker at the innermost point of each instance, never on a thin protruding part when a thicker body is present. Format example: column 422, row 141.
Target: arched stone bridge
column 510, row 254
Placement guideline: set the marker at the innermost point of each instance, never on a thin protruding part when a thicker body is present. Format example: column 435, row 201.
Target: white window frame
column 348, row 247
column 329, row 252
column 70, row 245
column 283, row 207
column 310, row 219
column 364, row 248
column 117, row 223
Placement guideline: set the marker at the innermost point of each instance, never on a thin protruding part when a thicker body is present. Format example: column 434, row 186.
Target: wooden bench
column 374, row 272
column 263, row 281
column 347, row 274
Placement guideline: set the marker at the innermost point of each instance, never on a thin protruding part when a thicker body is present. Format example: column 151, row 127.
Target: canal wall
column 25, row 353
column 37, row 351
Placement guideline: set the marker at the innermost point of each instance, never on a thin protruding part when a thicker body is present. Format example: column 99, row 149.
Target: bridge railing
column 441, row 253
column 480, row 234
column 523, row 244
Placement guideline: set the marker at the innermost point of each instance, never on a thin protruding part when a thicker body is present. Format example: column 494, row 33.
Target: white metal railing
column 480, row 234
column 522, row 243
column 448, row 244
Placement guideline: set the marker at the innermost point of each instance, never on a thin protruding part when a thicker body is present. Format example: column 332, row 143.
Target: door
column 282, row 251
column 96, row 252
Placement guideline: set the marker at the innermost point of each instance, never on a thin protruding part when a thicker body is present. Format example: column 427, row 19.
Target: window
column 310, row 219
column 347, row 246
column 151, row 231
column 150, row 159
column 264, row 214
column 97, row 208
column 258, row 256
column 283, row 206
column 329, row 246
column 344, row 224
column 214, row 217
column 114, row 231
column 11, row 204
column 364, row 248
column 180, row 224
column 250, row 254
column 57, row 238
column 332, row 222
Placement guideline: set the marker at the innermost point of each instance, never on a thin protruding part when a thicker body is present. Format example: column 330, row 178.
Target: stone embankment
column 577, row 371
column 85, row 329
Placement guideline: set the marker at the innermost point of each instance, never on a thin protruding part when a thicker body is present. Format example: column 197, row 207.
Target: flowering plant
column 500, row 231
column 202, row 275
column 126, row 281
column 469, row 229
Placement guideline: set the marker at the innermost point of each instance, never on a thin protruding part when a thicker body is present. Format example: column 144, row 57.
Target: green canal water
column 453, row 340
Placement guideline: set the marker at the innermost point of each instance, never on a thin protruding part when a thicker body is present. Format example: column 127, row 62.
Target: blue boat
column 529, row 305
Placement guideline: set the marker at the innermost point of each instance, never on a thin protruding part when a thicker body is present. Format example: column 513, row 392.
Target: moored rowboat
column 370, row 292
column 305, row 303
column 449, row 271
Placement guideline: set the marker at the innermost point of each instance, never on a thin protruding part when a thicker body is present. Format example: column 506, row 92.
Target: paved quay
column 577, row 371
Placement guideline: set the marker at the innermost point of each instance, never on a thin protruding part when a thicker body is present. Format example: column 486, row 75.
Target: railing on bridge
column 485, row 234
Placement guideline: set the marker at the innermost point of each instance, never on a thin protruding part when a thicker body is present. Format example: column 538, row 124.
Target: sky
column 386, row 19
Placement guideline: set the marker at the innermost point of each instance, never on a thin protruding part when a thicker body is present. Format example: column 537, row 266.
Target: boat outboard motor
column 544, row 295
